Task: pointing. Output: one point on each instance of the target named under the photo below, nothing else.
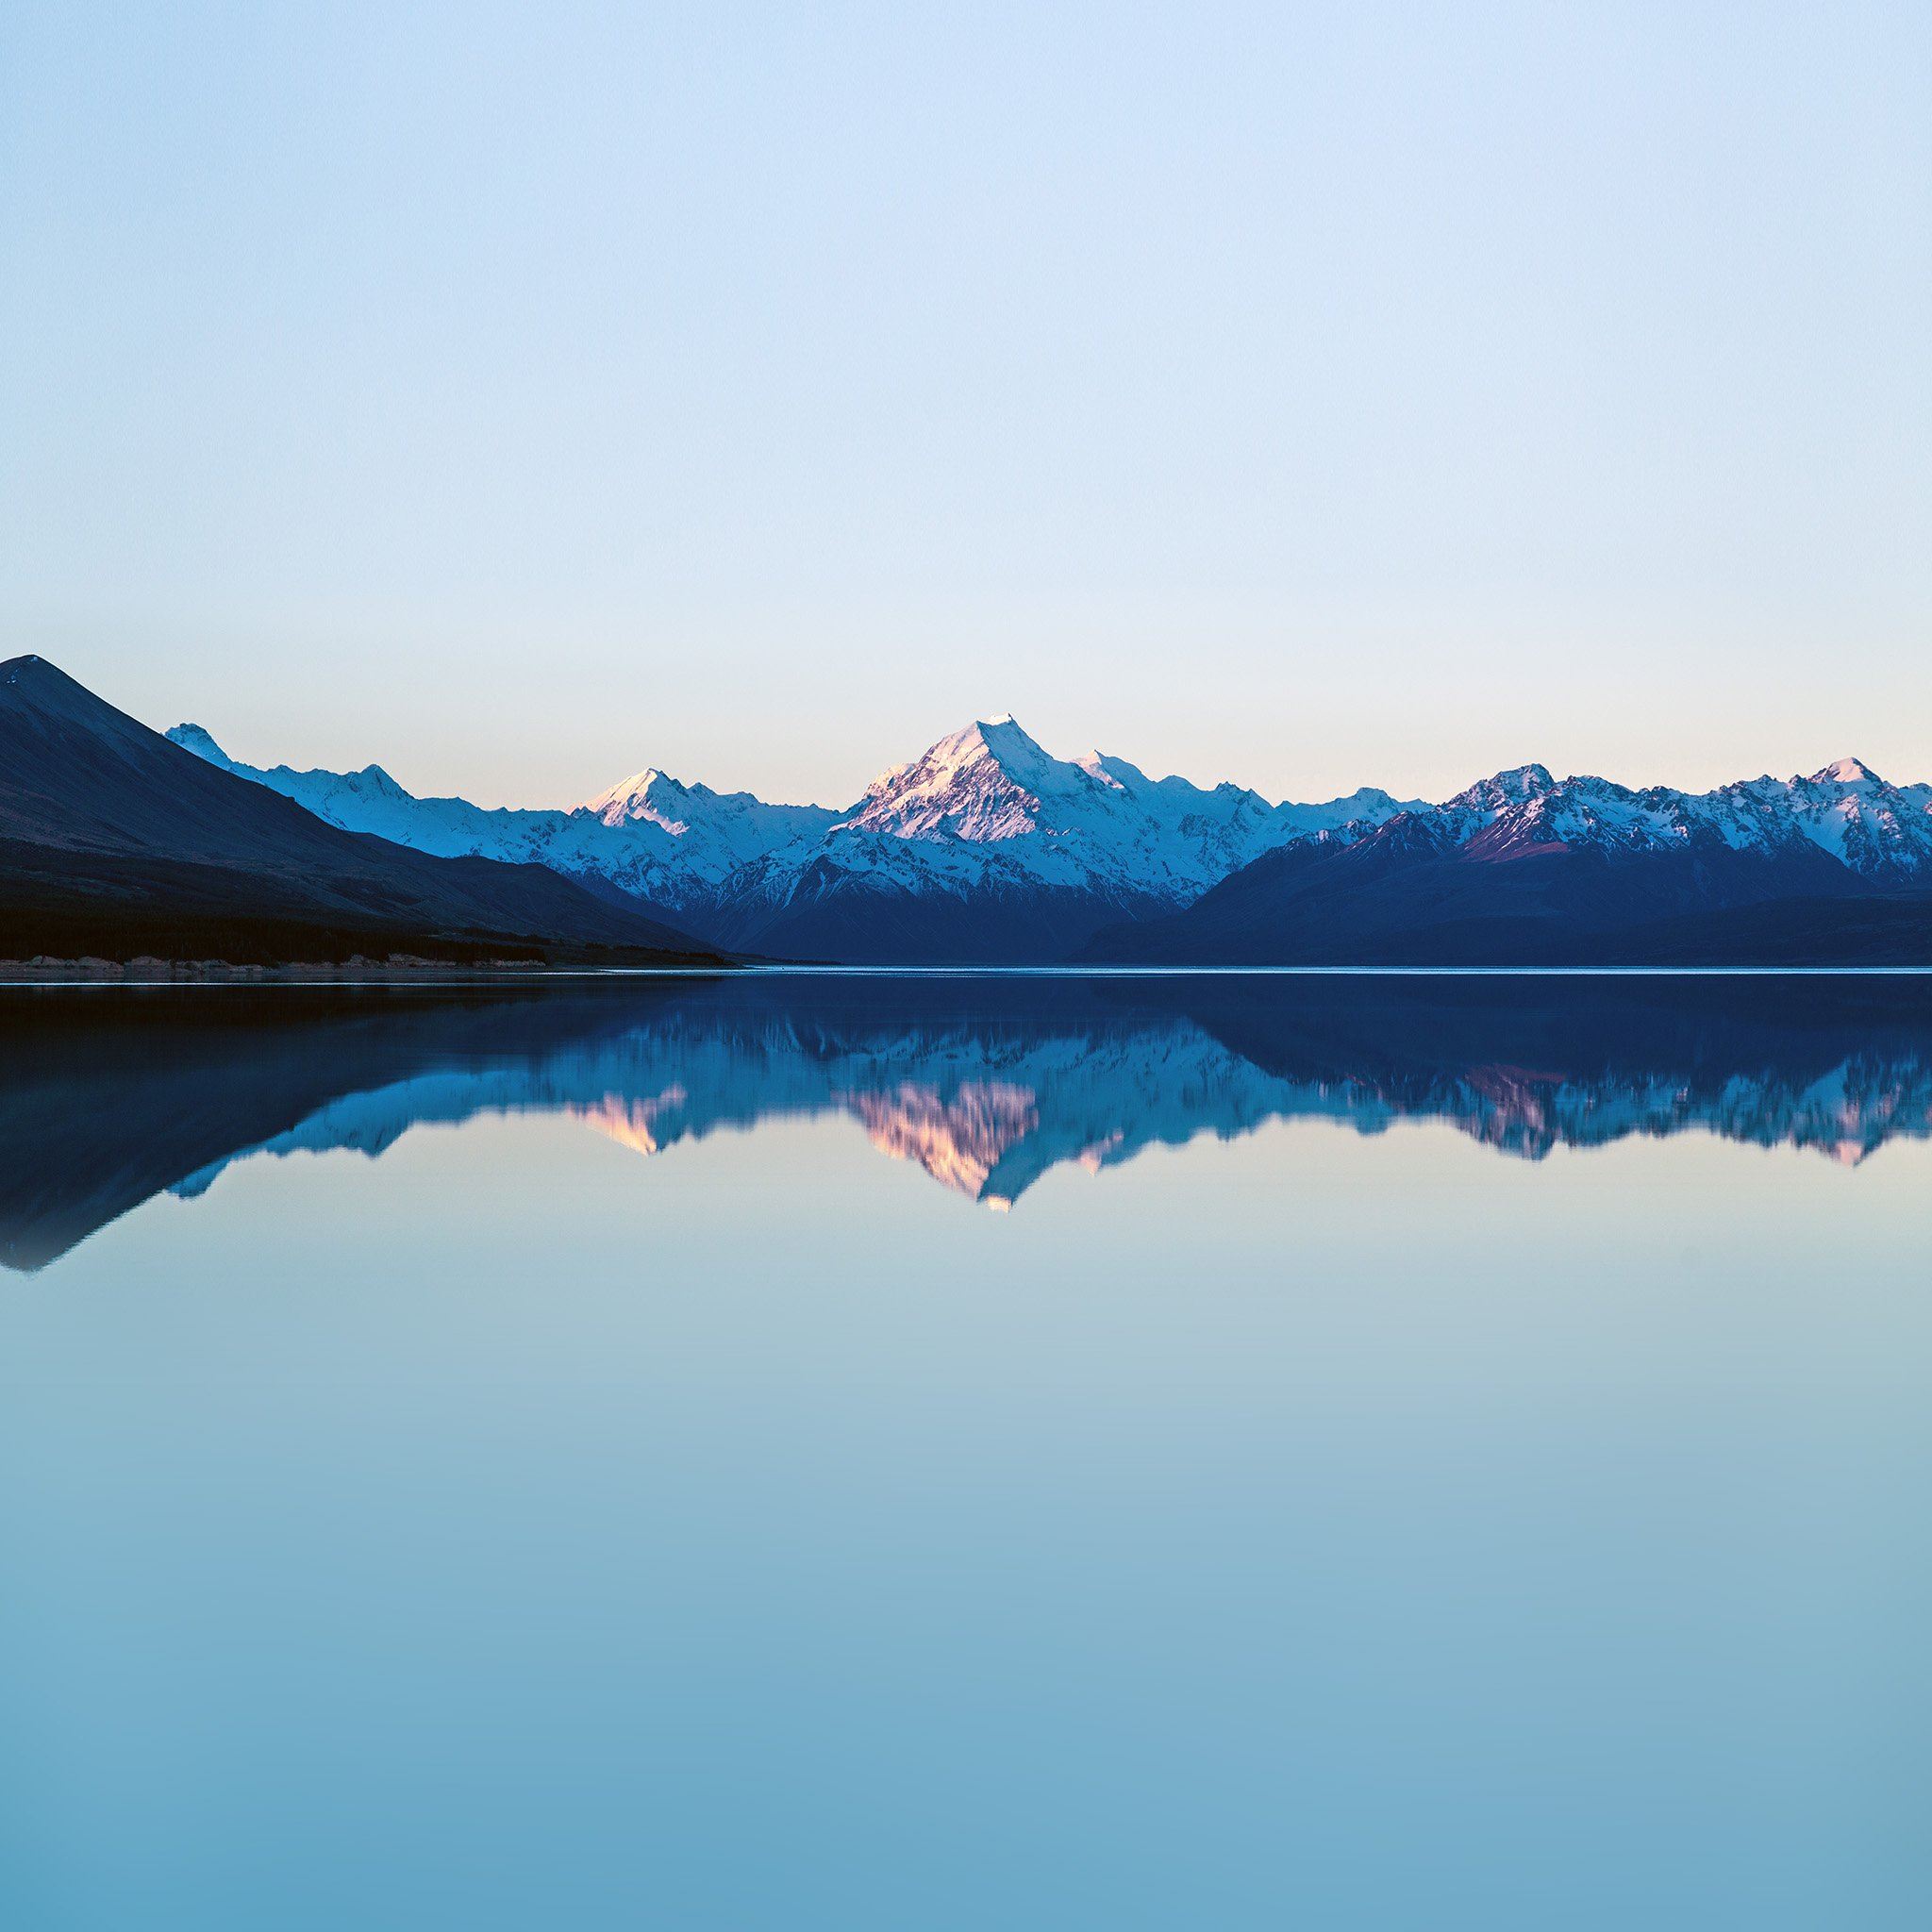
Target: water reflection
(986, 1084)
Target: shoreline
(149, 970)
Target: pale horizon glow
(1310, 396)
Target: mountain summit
(986, 781)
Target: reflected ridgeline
(109, 1097)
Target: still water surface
(788, 1452)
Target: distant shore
(148, 969)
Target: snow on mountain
(1030, 852)
(672, 843)
(720, 830)
(1096, 824)
(984, 810)
(370, 801)
(1849, 811)
(1881, 831)
(989, 781)
(988, 848)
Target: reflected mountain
(986, 1083)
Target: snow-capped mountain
(1846, 810)
(648, 835)
(1526, 869)
(1094, 820)
(984, 846)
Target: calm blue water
(863, 1452)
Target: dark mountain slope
(116, 842)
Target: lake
(857, 1451)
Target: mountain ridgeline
(984, 850)
(987, 849)
(116, 844)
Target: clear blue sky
(1309, 395)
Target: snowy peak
(637, 786)
(984, 782)
(647, 794)
(1370, 801)
(1515, 787)
(710, 834)
(374, 778)
(201, 743)
(1850, 773)
(1000, 741)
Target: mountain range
(985, 848)
(117, 844)
(988, 849)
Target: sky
(1308, 395)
